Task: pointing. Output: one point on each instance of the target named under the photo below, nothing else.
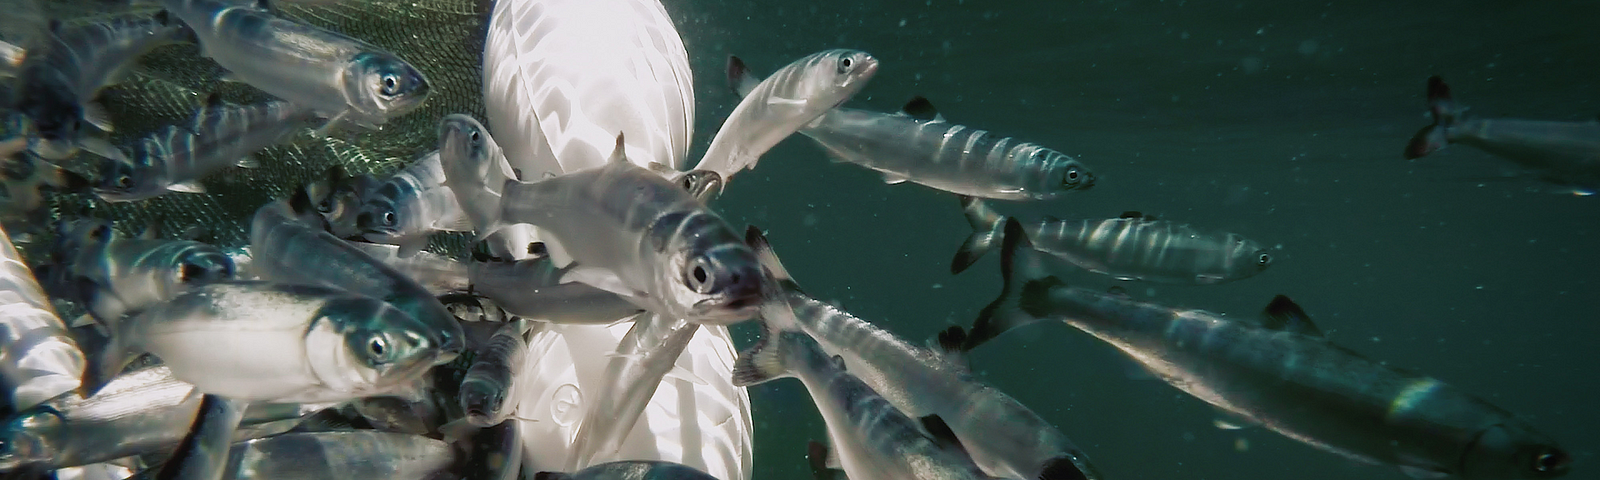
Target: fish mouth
(726, 311)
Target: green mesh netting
(442, 38)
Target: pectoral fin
(101, 147)
(191, 186)
(95, 114)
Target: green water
(1282, 121)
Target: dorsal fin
(757, 241)
(941, 433)
(620, 153)
(740, 78)
(214, 100)
(921, 109)
(817, 455)
(951, 343)
(1437, 89)
(1283, 314)
(1131, 214)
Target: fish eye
(325, 206)
(699, 277)
(124, 181)
(388, 219)
(845, 64)
(1263, 259)
(378, 347)
(1072, 176)
(391, 84)
(473, 136)
(1550, 460)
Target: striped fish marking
(176, 157)
(60, 80)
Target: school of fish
(337, 344)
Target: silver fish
(114, 277)
(229, 339)
(643, 357)
(1130, 247)
(411, 204)
(488, 391)
(1564, 153)
(38, 357)
(203, 453)
(533, 288)
(286, 250)
(874, 439)
(357, 455)
(437, 273)
(634, 233)
(474, 166)
(1003, 436)
(475, 170)
(630, 470)
(1283, 374)
(919, 145)
(61, 78)
(142, 411)
(177, 157)
(780, 105)
(330, 73)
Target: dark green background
(1280, 120)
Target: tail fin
(1445, 114)
(986, 224)
(763, 361)
(1025, 283)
